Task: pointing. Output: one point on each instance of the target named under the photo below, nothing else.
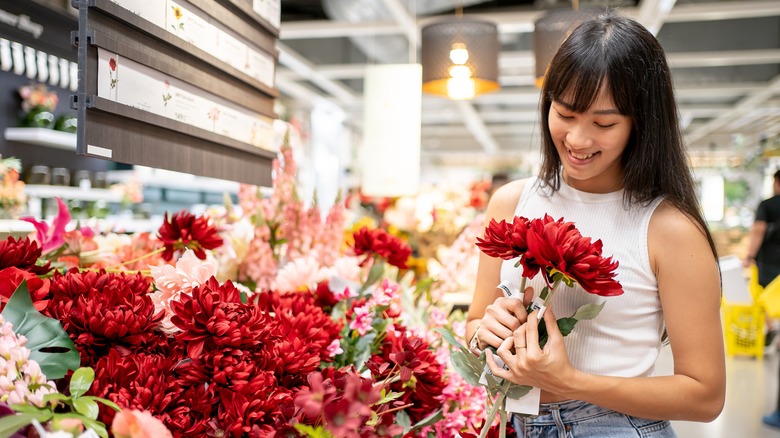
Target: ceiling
(725, 58)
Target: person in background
(764, 251)
(764, 237)
(614, 163)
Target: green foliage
(60, 406)
(42, 333)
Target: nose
(579, 137)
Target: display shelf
(168, 179)
(15, 227)
(42, 137)
(71, 193)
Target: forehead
(602, 100)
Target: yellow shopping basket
(743, 315)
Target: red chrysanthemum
(11, 278)
(259, 406)
(187, 231)
(505, 240)
(297, 316)
(213, 318)
(417, 361)
(557, 246)
(137, 381)
(22, 253)
(101, 311)
(382, 244)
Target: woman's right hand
(502, 318)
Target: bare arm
(689, 289)
(502, 312)
(756, 236)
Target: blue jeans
(575, 419)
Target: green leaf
(41, 333)
(566, 325)
(429, 420)
(389, 397)
(588, 311)
(517, 391)
(465, 368)
(10, 424)
(363, 349)
(81, 381)
(403, 420)
(450, 337)
(86, 407)
(55, 396)
(376, 272)
(106, 402)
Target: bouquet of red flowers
(557, 250)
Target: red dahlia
(23, 254)
(415, 359)
(505, 240)
(379, 242)
(187, 231)
(559, 246)
(11, 278)
(213, 317)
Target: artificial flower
(187, 231)
(22, 253)
(380, 243)
(51, 237)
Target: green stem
(502, 426)
(137, 259)
(551, 292)
(499, 401)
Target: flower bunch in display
(12, 196)
(37, 96)
(557, 250)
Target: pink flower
(51, 238)
(172, 281)
(362, 320)
(299, 274)
(131, 423)
(334, 348)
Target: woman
(614, 164)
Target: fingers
(528, 296)
(553, 332)
(532, 333)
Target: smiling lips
(581, 157)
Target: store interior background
(725, 58)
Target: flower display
(12, 197)
(380, 243)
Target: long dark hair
(619, 52)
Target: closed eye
(606, 126)
(562, 116)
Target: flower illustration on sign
(177, 14)
(112, 66)
(214, 116)
(166, 94)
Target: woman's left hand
(546, 368)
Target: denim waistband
(569, 411)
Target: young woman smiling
(614, 164)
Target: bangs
(578, 91)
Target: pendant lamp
(549, 33)
(460, 58)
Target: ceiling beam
(748, 103)
(300, 65)
(653, 13)
(523, 21)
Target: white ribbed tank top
(625, 338)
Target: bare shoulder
(504, 201)
(675, 237)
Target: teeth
(581, 157)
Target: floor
(751, 392)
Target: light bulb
(459, 54)
(460, 88)
(459, 71)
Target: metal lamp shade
(549, 33)
(479, 38)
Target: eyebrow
(599, 112)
